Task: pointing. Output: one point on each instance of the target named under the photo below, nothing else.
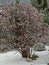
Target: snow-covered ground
(15, 58)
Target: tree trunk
(27, 53)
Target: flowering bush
(23, 26)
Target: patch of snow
(47, 48)
(15, 58)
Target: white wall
(25, 1)
(9, 1)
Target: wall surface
(10, 1)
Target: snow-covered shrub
(39, 47)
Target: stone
(29, 59)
